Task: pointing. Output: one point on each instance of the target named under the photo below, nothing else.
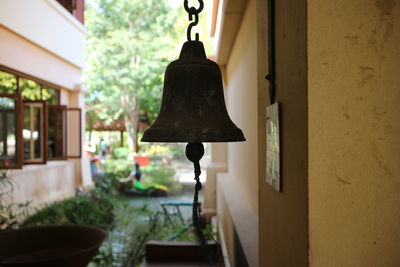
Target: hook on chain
(193, 12)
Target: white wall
(47, 24)
(20, 54)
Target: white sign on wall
(273, 147)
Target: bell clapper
(194, 152)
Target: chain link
(192, 11)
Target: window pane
(2, 142)
(8, 83)
(7, 103)
(30, 89)
(37, 132)
(11, 140)
(8, 131)
(50, 95)
(56, 132)
(26, 132)
(33, 132)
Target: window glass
(8, 83)
(8, 133)
(1, 134)
(7, 103)
(33, 132)
(37, 132)
(50, 95)
(32, 119)
(11, 134)
(26, 132)
(30, 90)
(56, 128)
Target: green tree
(129, 45)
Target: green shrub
(134, 227)
(164, 150)
(121, 153)
(12, 214)
(121, 168)
(89, 209)
(178, 151)
(107, 183)
(158, 173)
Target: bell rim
(149, 140)
(163, 137)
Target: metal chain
(193, 12)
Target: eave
(227, 16)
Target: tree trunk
(130, 105)
(90, 135)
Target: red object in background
(94, 159)
(142, 160)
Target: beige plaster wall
(41, 184)
(225, 225)
(237, 193)
(47, 24)
(218, 152)
(20, 54)
(241, 97)
(56, 179)
(242, 217)
(283, 216)
(210, 188)
(354, 132)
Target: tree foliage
(129, 45)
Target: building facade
(338, 89)
(42, 98)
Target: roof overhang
(227, 16)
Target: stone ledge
(244, 219)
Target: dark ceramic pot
(50, 246)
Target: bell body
(193, 106)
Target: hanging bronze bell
(193, 106)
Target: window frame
(18, 131)
(37, 80)
(46, 112)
